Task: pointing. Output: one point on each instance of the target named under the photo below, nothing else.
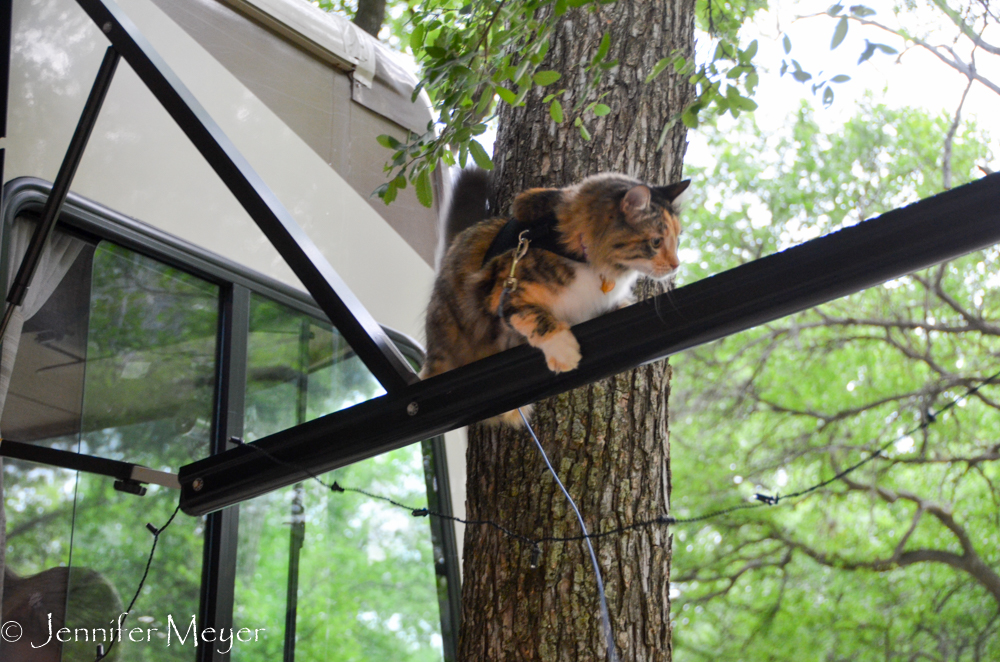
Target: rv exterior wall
(139, 163)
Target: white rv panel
(140, 163)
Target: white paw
(562, 351)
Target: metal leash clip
(522, 247)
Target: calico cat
(586, 246)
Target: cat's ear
(672, 191)
(637, 199)
(536, 204)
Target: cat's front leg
(552, 336)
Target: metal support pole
(296, 538)
(124, 472)
(60, 188)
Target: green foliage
(849, 572)
(856, 12)
(366, 586)
(475, 55)
(935, 26)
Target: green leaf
(480, 156)
(840, 78)
(835, 9)
(602, 49)
(885, 48)
(801, 76)
(601, 110)
(868, 52)
(389, 195)
(663, 133)
(828, 96)
(506, 95)
(584, 133)
(561, 7)
(839, 33)
(417, 37)
(425, 195)
(543, 78)
(435, 52)
(485, 101)
(388, 141)
(556, 111)
(658, 69)
(749, 52)
(787, 44)
(521, 70)
(690, 117)
(861, 11)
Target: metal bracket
(129, 477)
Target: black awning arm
(895, 244)
(329, 291)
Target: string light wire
(101, 653)
(586, 536)
(759, 500)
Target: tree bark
(370, 16)
(608, 441)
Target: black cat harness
(541, 233)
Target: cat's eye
(656, 242)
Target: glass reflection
(331, 576)
(119, 362)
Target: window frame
(236, 282)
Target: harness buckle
(522, 248)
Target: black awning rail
(899, 242)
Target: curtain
(58, 256)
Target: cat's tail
(470, 194)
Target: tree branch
(969, 561)
(966, 29)
(950, 139)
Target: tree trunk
(370, 16)
(608, 441)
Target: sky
(915, 78)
